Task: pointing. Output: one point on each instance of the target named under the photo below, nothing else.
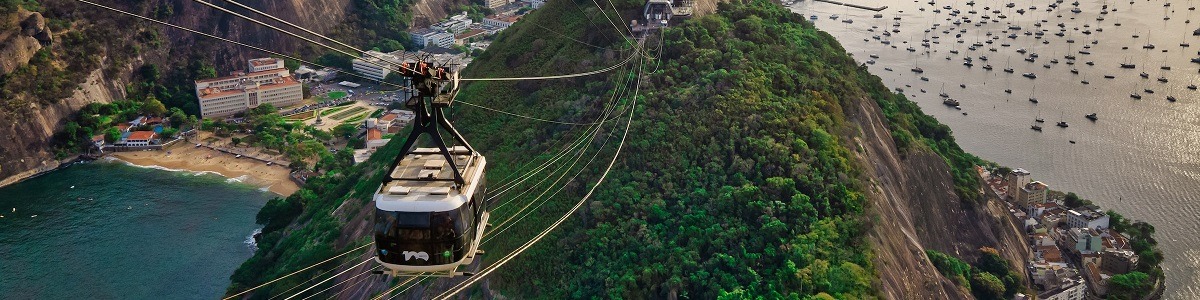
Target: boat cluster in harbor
(979, 34)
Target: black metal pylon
(428, 116)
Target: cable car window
(412, 219)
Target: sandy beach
(185, 157)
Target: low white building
(1070, 289)
(1087, 218)
(309, 74)
(140, 138)
(432, 37)
(263, 64)
(500, 22)
(375, 65)
(455, 24)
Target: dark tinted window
(443, 236)
(412, 219)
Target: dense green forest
(737, 180)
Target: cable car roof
(424, 181)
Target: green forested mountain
(737, 179)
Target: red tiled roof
(374, 134)
(387, 117)
(124, 126)
(1051, 253)
(141, 135)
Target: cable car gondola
(429, 210)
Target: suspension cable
(272, 27)
(613, 101)
(555, 76)
(398, 285)
(301, 28)
(617, 92)
(314, 278)
(352, 278)
(409, 287)
(479, 276)
(193, 31)
(330, 278)
(542, 200)
(294, 273)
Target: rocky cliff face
(25, 139)
(914, 209)
(26, 35)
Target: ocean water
(1142, 158)
(107, 230)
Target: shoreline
(274, 178)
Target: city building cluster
(1075, 251)
(377, 128)
(138, 132)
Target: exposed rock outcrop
(25, 139)
(21, 42)
(914, 208)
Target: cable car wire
(554, 159)
(398, 285)
(293, 273)
(314, 278)
(479, 276)
(612, 103)
(276, 19)
(319, 65)
(409, 287)
(368, 271)
(518, 216)
(561, 155)
(554, 76)
(396, 64)
(327, 280)
(272, 27)
(352, 286)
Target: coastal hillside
(56, 56)
(762, 161)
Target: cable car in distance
(429, 210)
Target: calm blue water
(124, 232)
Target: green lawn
(335, 95)
(356, 119)
(332, 110)
(349, 112)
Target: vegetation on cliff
(990, 278)
(738, 182)
(741, 183)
